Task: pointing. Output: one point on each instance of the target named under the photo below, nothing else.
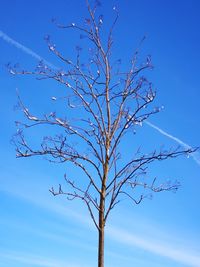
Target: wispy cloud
(30, 259)
(170, 251)
(25, 49)
(195, 155)
(55, 232)
(50, 204)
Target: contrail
(25, 49)
(195, 155)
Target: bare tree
(107, 103)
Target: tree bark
(101, 248)
(101, 229)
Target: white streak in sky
(25, 49)
(30, 259)
(171, 251)
(194, 155)
(182, 254)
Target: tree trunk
(101, 231)
(101, 213)
(101, 248)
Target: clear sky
(37, 229)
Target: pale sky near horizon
(37, 229)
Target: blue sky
(37, 229)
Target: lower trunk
(101, 218)
(101, 247)
(101, 232)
